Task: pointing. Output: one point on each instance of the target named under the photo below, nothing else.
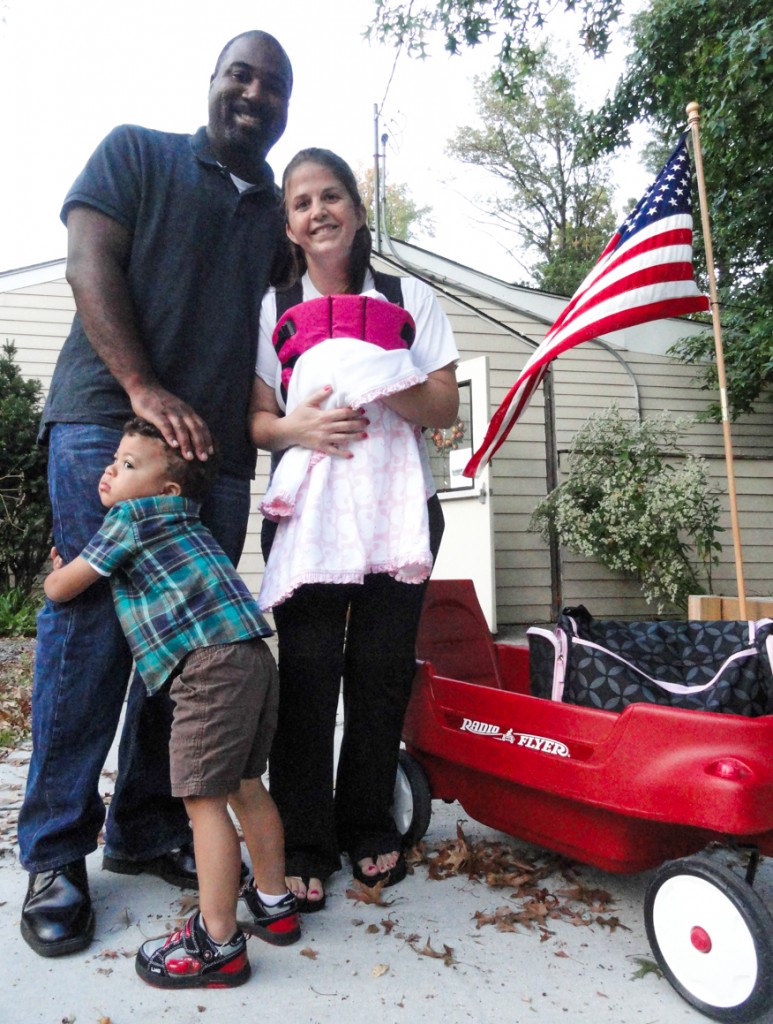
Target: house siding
(586, 379)
(37, 319)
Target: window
(451, 448)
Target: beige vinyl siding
(518, 474)
(666, 385)
(586, 379)
(37, 319)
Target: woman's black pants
(365, 635)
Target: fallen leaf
(416, 855)
(613, 923)
(575, 917)
(310, 953)
(188, 904)
(379, 970)
(646, 967)
(372, 929)
(447, 956)
(596, 899)
(368, 894)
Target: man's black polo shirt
(200, 259)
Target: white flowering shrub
(626, 505)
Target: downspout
(551, 449)
(551, 443)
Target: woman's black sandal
(307, 906)
(374, 850)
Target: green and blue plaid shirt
(174, 587)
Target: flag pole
(693, 119)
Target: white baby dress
(339, 519)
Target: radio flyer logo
(519, 739)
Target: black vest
(388, 284)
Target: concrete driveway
(440, 947)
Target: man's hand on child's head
(181, 426)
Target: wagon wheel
(412, 804)
(712, 936)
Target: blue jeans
(82, 667)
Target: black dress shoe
(178, 867)
(57, 917)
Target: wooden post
(693, 118)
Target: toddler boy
(192, 624)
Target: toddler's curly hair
(195, 477)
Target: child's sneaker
(278, 925)
(190, 959)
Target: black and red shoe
(190, 959)
(279, 925)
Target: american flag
(645, 273)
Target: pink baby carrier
(338, 518)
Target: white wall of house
(36, 310)
(492, 318)
(507, 323)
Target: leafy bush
(25, 516)
(625, 505)
(18, 611)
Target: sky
(70, 70)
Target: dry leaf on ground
(501, 865)
(368, 894)
(447, 955)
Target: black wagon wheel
(712, 936)
(412, 804)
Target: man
(170, 244)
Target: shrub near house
(25, 522)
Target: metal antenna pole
(376, 182)
(383, 193)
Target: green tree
(557, 200)
(25, 517)
(465, 23)
(404, 219)
(720, 54)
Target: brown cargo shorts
(226, 699)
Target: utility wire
(391, 76)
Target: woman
(364, 632)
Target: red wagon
(651, 787)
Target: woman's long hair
(359, 257)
